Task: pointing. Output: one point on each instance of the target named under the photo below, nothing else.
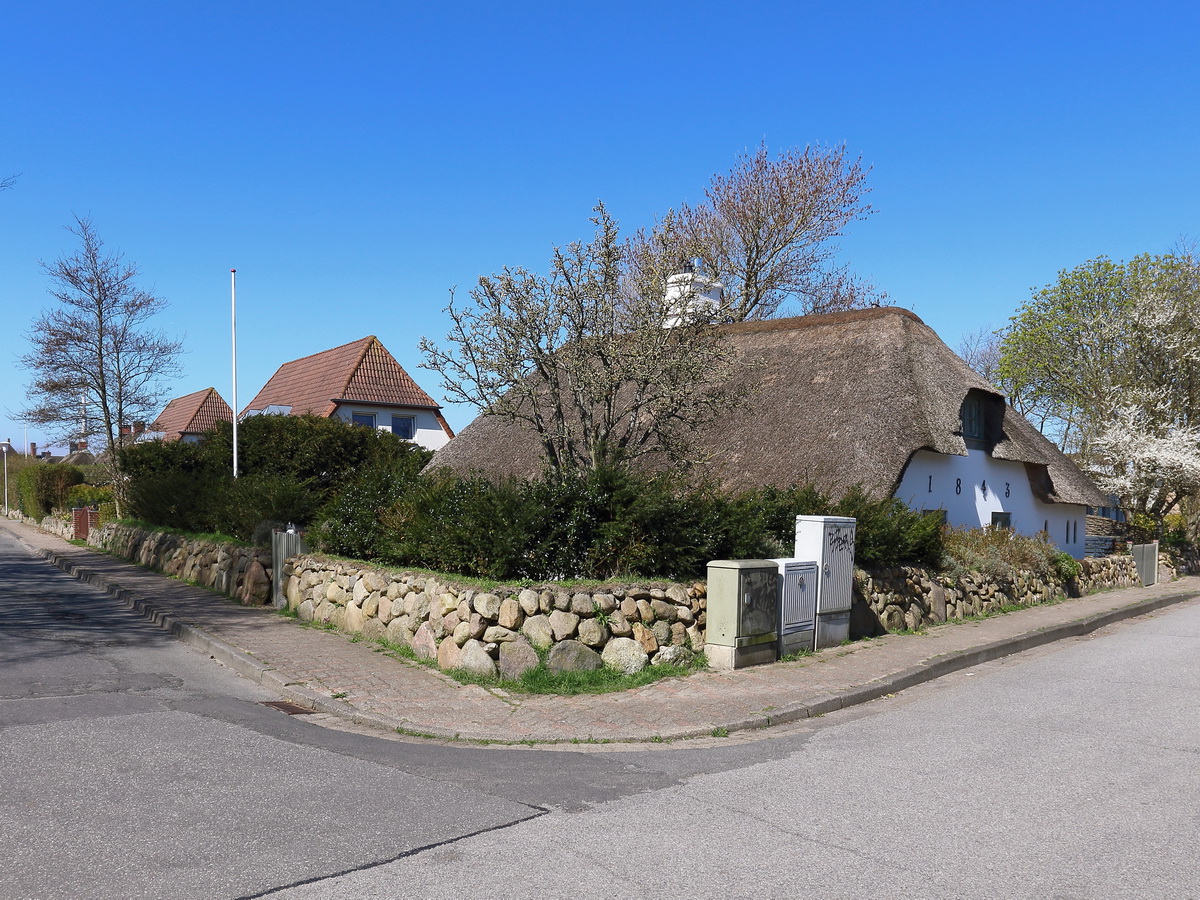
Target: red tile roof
(361, 371)
(193, 414)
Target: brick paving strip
(311, 667)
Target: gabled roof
(833, 400)
(192, 414)
(361, 371)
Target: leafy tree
(96, 362)
(1107, 360)
(766, 231)
(581, 357)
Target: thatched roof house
(870, 397)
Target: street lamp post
(4, 448)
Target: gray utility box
(830, 541)
(797, 605)
(743, 609)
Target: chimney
(83, 445)
(691, 297)
(33, 449)
(72, 447)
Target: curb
(264, 674)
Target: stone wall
(499, 630)
(496, 631)
(243, 573)
(905, 599)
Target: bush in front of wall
(87, 495)
(43, 487)
(1001, 552)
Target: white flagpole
(233, 321)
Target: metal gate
(1146, 558)
(284, 544)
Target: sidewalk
(310, 667)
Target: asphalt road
(136, 767)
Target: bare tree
(96, 363)
(6, 183)
(766, 231)
(582, 357)
(980, 349)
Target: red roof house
(187, 418)
(359, 382)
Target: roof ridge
(368, 342)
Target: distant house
(188, 418)
(869, 397)
(359, 382)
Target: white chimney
(691, 298)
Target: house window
(939, 513)
(404, 427)
(972, 418)
(367, 419)
(1002, 520)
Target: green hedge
(43, 488)
(613, 524)
(290, 468)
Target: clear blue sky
(355, 160)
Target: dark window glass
(972, 418)
(1002, 520)
(367, 419)
(403, 426)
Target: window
(939, 513)
(367, 419)
(404, 427)
(972, 418)
(1002, 520)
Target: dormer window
(972, 418)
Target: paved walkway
(312, 667)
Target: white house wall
(956, 484)
(427, 433)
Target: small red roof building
(358, 382)
(189, 417)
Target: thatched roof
(833, 400)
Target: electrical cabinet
(742, 616)
(829, 541)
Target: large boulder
(517, 658)
(474, 658)
(539, 632)
(625, 655)
(572, 656)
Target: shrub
(87, 495)
(1000, 553)
(180, 499)
(250, 506)
(351, 524)
(43, 487)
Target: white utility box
(797, 605)
(829, 540)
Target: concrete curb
(262, 673)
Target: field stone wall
(905, 598)
(499, 631)
(241, 572)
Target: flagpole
(233, 324)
